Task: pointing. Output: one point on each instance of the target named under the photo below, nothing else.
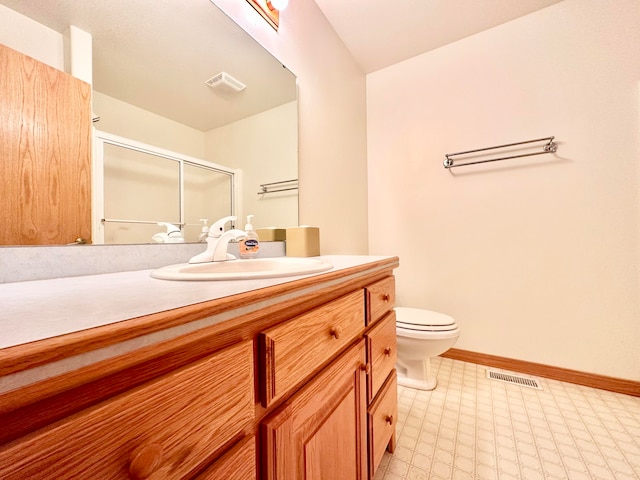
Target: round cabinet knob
(145, 460)
(389, 419)
(366, 367)
(386, 297)
(335, 332)
(387, 351)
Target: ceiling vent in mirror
(224, 79)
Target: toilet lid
(423, 320)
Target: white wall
(31, 38)
(537, 259)
(332, 128)
(270, 156)
(129, 121)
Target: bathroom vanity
(272, 379)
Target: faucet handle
(217, 229)
(172, 235)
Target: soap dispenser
(250, 245)
(205, 230)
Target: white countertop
(35, 310)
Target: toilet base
(418, 384)
(416, 373)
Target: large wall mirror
(169, 75)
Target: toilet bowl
(421, 334)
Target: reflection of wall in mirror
(31, 38)
(271, 156)
(126, 120)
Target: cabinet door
(321, 432)
(45, 153)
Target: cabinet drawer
(380, 297)
(239, 463)
(381, 350)
(296, 348)
(382, 417)
(163, 429)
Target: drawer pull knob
(366, 367)
(389, 419)
(145, 460)
(387, 351)
(386, 297)
(335, 332)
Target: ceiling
(159, 58)
(379, 33)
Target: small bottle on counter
(250, 245)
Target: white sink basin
(243, 269)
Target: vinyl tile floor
(473, 427)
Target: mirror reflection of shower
(138, 186)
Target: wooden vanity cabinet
(272, 395)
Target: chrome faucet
(218, 242)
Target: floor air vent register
(514, 378)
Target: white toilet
(421, 334)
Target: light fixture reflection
(268, 10)
(279, 4)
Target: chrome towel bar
(549, 147)
(274, 187)
(145, 222)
